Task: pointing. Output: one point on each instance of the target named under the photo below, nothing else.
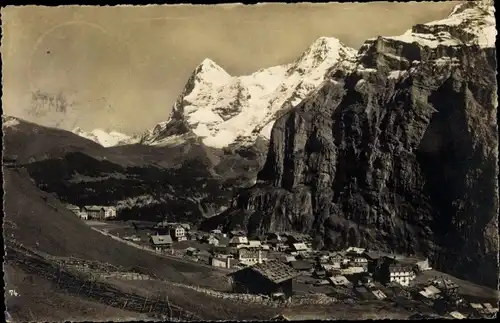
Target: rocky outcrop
(398, 154)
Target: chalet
(457, 315)
(93, 212)
(190, 251)
(222, 251)
(336, 259)
(445, 285)
(301, 248)
(268, 278)
(319, 273)
(161, 242)
(254, 244)
(297, 238)
(186, 226)
(379, 294)
(210, 239)
(223, 240)
(359, 261)
(192, 235)
(223, 262)
(178, 233)
(77, 211)
(423, 265)
(238, 240)
(109, 212)
(236, 233)
(339, 281)
(429, 292)
(324, 258)
(73, 208)
(354, 251)
(286, 258)
(203, 256)
(248, 256)
(352, 270)
(401, 274)
(301, 265)
(329, 269)
(374, 260)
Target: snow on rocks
(106, 139)
(222, 109)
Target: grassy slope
(39, 300)
(40, 221)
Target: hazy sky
(122, 68)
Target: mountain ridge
(223, 110)
(398, 154)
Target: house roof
(301, 265)
(399, 268)
(300, 246)
(355, 250)
(379, 294)
(161, 239)
(339, 280)
(275, 271)
(254, 243)
(432, 289)
(238, 239)
(222, 240)
(94, 208)
(372, 255)
(337, 254)
(362, 289)
(457, 315)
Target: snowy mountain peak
(470, 23)
(209, 71)
(223, 110)
(325, 50)
(106, 139)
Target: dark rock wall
(399, 154)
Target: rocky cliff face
(399, 153)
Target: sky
(121, 68)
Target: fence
(83, 277)
(86, 284)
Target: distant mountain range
(107, 139)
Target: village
(281, 265)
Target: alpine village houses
(161, 242)
(93, 212)
(272, 278)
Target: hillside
(184, 182)
(399, 154)
(40, 222)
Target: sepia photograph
(264, 162)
